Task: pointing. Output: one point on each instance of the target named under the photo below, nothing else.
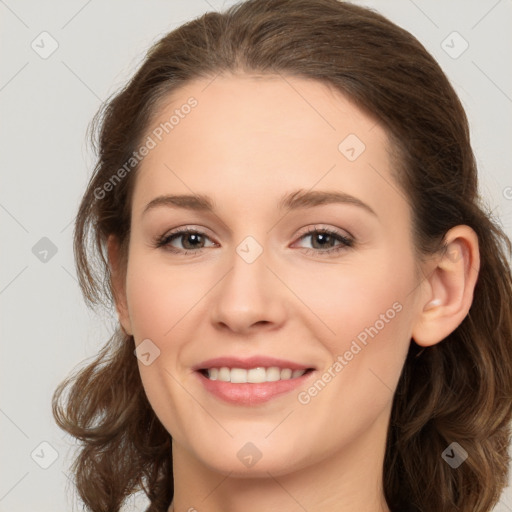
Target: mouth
(257, 375)
(251, 381)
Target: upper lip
(250, 362)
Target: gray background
(46, 105)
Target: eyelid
(321, 227)
(188, 228)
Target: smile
(251, 380)
(252, 375)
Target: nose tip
(242, 317)
(248, 297)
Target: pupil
(324, 237)
(193, 235)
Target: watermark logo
(454, 45)
(249, 249)
(249, 454)
(147, 352)
(44, 45)
(454, 455)
(351, 147)
(44, 455)
(44, 250)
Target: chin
(251, 459)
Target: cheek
(159, 297)
(350, 297)
(371, 318)
(160, 302)
(363, 317)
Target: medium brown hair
(456, 391)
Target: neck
(348, 481)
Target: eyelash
(346, 242)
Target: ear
(118, 280)
(448, 288)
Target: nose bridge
(246, 295)
(248, 280)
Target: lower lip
(250, 393)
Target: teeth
(256, 375)
(224, 375)
(238, 375)
(253, 375)
(286, 373)
(273, 374)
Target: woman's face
(303, 262)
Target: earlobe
(118, 284)
(448, 289)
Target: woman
(370, 370)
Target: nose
(249, 297)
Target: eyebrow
(290, 201)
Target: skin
(250, 140)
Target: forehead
(263, 134)
(285, 106)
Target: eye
(326, 239)
(192, 240)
